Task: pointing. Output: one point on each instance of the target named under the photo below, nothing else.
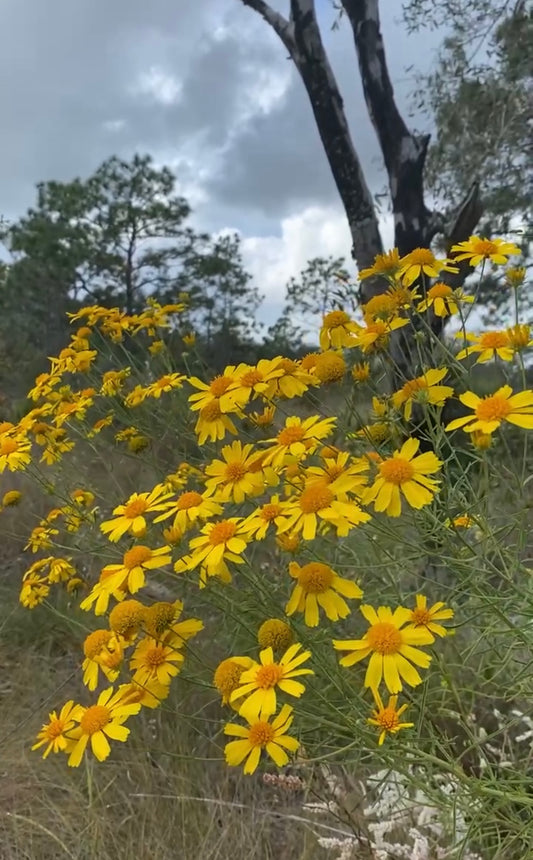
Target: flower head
(318, 586)
(476, 249)
(404, 474)
(54, 735)
(387, 718)
(258, 684)
(491, 411)
(424, 616)
(99, 722)
(261, 735)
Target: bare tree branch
(309, 56)
(404, 153)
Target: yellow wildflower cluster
(300, 481)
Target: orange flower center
(155, 656)
(235, 471)
(440, 291)
(335, 319)
(221, 533)
(94, 719)
(189, 500)
(315, 577)
(421, 616)
(268, 676)
(270, 512)
(494, 408)
(380, 307)
(421, 257)
(413, 386)
(54, 729)
(288, 365)
(135, 508)
(493, 340)
(330, 368)
(220, 385)
(261, 734)
(94, 643)
(386, 264)
(227, 677)
(8, 446)
(251, 378)
(384, 638)
(387, 718)
(315, 499)
(290, 434)
(136, 555)
(164, 380)
(211, 412)
(485, 247)
(397, 470)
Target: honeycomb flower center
(274, 633)
(136, 555)
(211, 411)
(440, 291)
(8, 446)
(485, 247)
(227, 677)
(290, 434)
(221, 533)
(135, 508)
(158, 617)
(315, 499)
(155, 656)
(335, 319)
(189, 500)
(94, 643)
(330, 368)
(396, 470)
(421, 257)
(235, 471)
(315, 577)
(387, 718)
(384, 638)
(220, 385)
(95, 719)
(54, 729)
(493, 340)
(251, 378)
(421, 616)
(380, 307)
(494, 408)
(126, 617)
(270, 512)
(261, 734)
(268, 676)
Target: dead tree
(404, 152)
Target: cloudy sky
(205, 87)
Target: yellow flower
(422, 261)
(387, 718)
(519, 337)
(258, 736)
(392, 650)
(489, 345)
(318, 586)
(292, 382)
(213, 423)
(444, 300)
(374, 336)
(221, 391)
(385, 265)
(515, 276)
(254, 380)
(330, 366)
(113, 381)
(224, 540)
(116, 579)
(264, 418)
(130, 516)
(227, 677)
(233, 477)
(320, 502)
(424, 389)
(258, 683)
(403, 473)
(189, 339)
(156, 660)
(337, 330)
(11, 498)
(54, 735)
(424, 616)
(102, 650)
(189, 507)
(361, 371)
(381, 307)
(492, 410)
(289, 542)
(14, 453)
(476, 249)
(100, 722)
(463, 521)
(340, 471)
(297, 439)
(168, 382)
(126, 618)
(163, 617)
(275, 633)
(257, 524)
